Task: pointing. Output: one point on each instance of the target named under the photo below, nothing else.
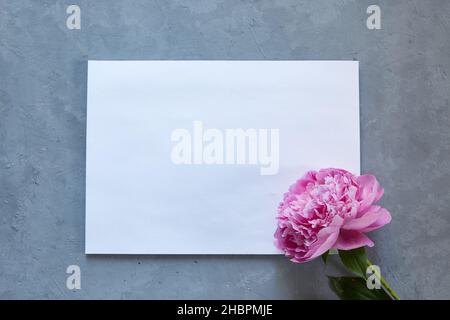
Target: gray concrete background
(405, 132)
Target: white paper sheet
(143, 196)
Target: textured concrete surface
(405, 128)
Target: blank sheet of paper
(193, 157)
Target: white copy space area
(193, 157)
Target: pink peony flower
(331, 208)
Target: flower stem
(384, 283)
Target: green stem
(384, 283)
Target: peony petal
(384, 217)
(374, 218)
(350, 239)
(300, 185)
(326, 238)
(330, 172)
(326, 244)
(369, 191)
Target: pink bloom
(331, 208)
